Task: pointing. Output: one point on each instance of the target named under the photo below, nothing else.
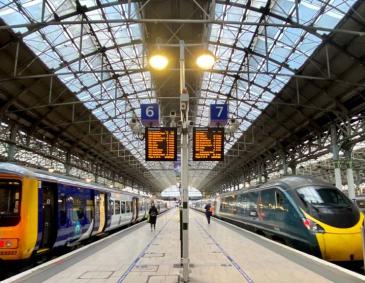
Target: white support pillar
(12, 144)
(335, 157)
(184, 109)
(285, 165)
(349, 174)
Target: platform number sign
(218, 114)
(150, 114)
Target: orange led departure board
(161, 144)
(208, 144)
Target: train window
(117, 207)
(268, 199)
(281, 201)
(9, 202)
(122, 206)
(111, 203)
(89, 209)
(128, 207)
(323, 196)
(63, 210)
(77, 209)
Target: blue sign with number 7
(150, 114)
(218, 114)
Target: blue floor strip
(235, 264)
(134, 263)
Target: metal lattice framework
(75, 73)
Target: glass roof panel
(60, 47)
(256, 62)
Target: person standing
(208, 211)
(153, 216)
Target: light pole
(205, 62)
(184, 109)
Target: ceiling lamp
(205, 61)
(158, 62)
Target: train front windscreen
(329, 205)
(9, 202)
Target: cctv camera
(172, 114)
(183, 106)
(232, 121)
(191, 123)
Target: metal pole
(335, 157)
(349, 174)
(184, 108)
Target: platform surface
(219, 252)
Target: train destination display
(161, 144)
(208, 144)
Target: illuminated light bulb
(158, 62)
(205, 61)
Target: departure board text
(208, 144)
(161, 144)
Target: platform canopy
(281, 65)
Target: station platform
(219, 252)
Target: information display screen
(161, 144)
(208, 144)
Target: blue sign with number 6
(150, 114)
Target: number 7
(220, 110)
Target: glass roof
(92, 59)
(264, 58)
(103, 63)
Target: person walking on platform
(153, 216)
(208, 211)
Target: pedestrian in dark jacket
(208, 212)
(153, 216)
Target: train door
(96, 211)
(134, 209)
(137, 209)
(49, 215)
(102, 213)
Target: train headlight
(312, 226)
(8, 243)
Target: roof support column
(12, 143)
(259, 172)
(293, 168)
(285, 164)
(349, 173)
(335, 157)
(68, 163)
(96, 174)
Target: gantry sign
(208, 144)
(161, 144)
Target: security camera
(232, 121)
(191, 123)
(183, 106)
(172, 114)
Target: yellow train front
(338, 233)
(303, 212)
(18, 216)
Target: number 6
(149, 111)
